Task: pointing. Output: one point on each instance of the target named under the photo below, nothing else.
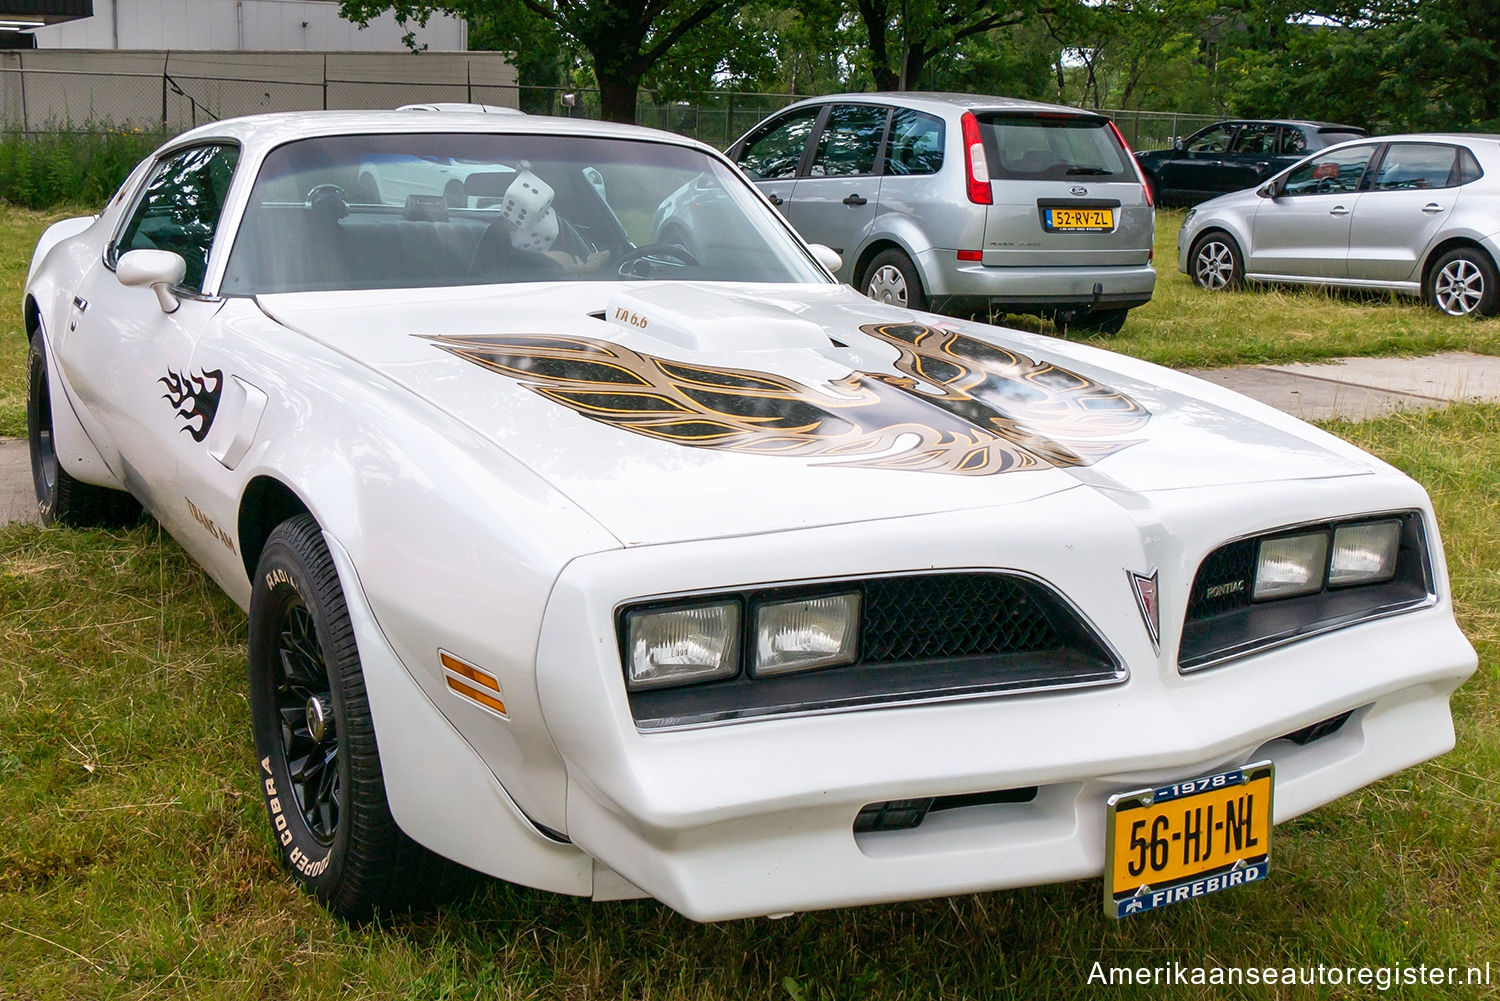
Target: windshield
(425, 210)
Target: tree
(624, 38)
(902, 36)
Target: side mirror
(158, 270)
(826, 256)
(1179, 145)
(1268, 191)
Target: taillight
(976, 168)
(1140, 174)
(971, 255)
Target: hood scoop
(703, 319)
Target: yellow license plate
(1087, 219)
(1185, 840)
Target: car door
(1192, 170)
(128, 360)
(772, 153)
(834, 203)
(1411, 196)
(1251, 160)
(1303, 231)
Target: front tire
(1216, 262)
(1464, 283)
(61, 499)
(317, 760)
(892, 277)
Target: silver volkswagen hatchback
(962, 204)
(1416, 214)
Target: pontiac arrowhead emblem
(1145, 599)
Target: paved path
(1357, 388)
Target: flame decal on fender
(962, 406)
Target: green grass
(135, 860)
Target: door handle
(854, 200)
(1432, 208)
(1261, 166)
(1338, 210)
(775, 199)
(81, 303)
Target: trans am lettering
(196, 398)
(959, 405)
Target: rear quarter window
(1031, 148)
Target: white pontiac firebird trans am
(622, 560)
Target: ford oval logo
(1078, 189)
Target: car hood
(677, 411)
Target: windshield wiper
(1091, 171)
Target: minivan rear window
(1064, 148)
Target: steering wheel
(651, 251)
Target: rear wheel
(1216, 262)
(59, 497)
(317, 761)
(1102, 321)
(1464, 283)
(892, 277)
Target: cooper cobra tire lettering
(315, 741)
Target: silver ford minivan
(963, 204)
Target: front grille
(922, 637)
(936, 617)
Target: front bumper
(757, 818)
(954, 284)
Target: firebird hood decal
(960, 406)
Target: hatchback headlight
(1364, 554)
(1291, 565)
(678, 646)
(805, 634)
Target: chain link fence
(170, 92)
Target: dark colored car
(1229, 156)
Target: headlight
(1291, 565)
(1364, 554)
(802, 635)
(682, 645)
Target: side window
(1258, 140)
(1417, 165)
(179, 209)
(915, 145)
(1468, 167)
(1293, 142)
(777, 151)
(850, 140)
(1329, 173)
(1214, 140)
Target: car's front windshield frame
(269, 255)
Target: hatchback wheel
(892, 277)
(1464, 283)
(1216, 262)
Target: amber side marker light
(459, 674)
